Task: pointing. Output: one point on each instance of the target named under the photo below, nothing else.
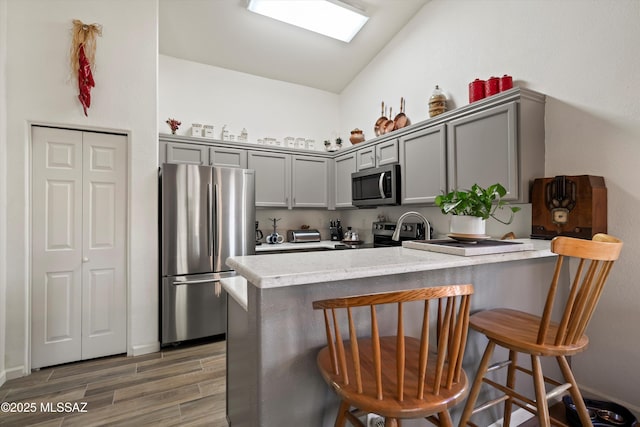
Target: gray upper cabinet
(376, 155)
(290, 181)
(309, 182)
(177, 152)
(423, 165)
(228, 157)
(273, 178)
(482, 148)
(366, 157)
(344, 166)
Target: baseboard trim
(13, 373)
(138, 350)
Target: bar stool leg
(511, 383)
(477, 383)
(581, 408)
(341, 419)
(541, 395)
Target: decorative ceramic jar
(356, 136)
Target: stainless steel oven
(382, 232)
(376, 187)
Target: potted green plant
(471, 208)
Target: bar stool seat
(519, 331)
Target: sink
(481, 247)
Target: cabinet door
(422, 162)
(187, 153)
(273, 177)
(366, 158)
(228, 157)
(387, 152)
(310, 178)
(483, 148)
(344, 167)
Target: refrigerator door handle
(194, 282)
(209, 221)
(214, 239)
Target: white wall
(124, 99)
(3, 182)
(584, 56)
(197, 93)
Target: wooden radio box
(573, 206)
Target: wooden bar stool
(396, 376)
(538, 336)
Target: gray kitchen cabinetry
(344, 166)
(289, 181)
(423, 165)
(177, 152)
(309, 182)
(228, 157)
(380, 154)
(491, 146)
(273, 178)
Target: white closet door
(56, 289)
(78, 246)
(104, 247)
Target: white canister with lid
(196, 129)
(207, 131)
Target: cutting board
(482, 247)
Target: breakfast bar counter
(273, 334)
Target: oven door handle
(380, 185)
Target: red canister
(476, 90)
(492, 86)
(506, 83)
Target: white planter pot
(463, 224)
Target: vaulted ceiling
(225, 34)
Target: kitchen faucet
(427, 230)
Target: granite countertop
(291, 269)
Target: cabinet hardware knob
(85, 259)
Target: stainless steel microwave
(376, 187)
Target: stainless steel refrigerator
(207, 214)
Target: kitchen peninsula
(273, 334)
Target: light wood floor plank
(182, 386)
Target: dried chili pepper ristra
(85, 80)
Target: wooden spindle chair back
(398, 369)
(595, 259)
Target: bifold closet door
(78, 290)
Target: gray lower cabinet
(423, 157)
(309, 182)
(344, 166)
(228, 157)
(482, 148)
(380, 154)
(177, 152)
(273, 178)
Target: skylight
(331, 18)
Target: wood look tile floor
(182, 386)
